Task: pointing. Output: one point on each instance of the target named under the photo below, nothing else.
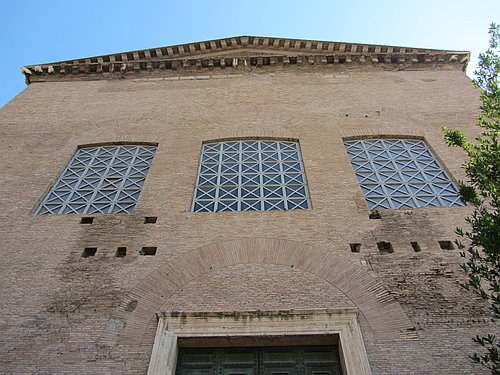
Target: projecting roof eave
(244, 53)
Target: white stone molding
(322, 325)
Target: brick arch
(252, 138)
(384, 315)
(231, 134)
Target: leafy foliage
(480, 243)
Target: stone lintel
(248, 328)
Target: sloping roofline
(245, 51)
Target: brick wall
(62, 313)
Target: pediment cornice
(245, 52)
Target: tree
(480, 243)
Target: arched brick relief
(384, 315)
(257, 287)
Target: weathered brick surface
(62, 313)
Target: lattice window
(250, 175)
(104, 179)
(400, 173)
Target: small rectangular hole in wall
(150, 220)
(148, 250)
(374, 214)
(385, 247)
(355, 247)
(121, 252)
(416, 246)
(89, 252)
(86, 220)
(446, 245)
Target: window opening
(86, 220)
(89, 252)
(121, 252)
(355, 247)
(150, 219)
(446, 245)
(250, 175)
(148, 250)
(385, 247)
(415, 246)
(400, 173)
(100, 179)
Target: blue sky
(34, 32)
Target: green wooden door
(307, 360)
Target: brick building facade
(256, 197)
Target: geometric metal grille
(250, 175)
(103, 179)
(312, 360)
(400, 173)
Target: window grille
(400, 173)
(250, 175)
(104, 180)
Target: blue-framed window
(400, 173)
(250, 175)
(100, 180)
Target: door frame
(208, 328)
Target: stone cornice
(244, 53)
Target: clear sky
(35, 32)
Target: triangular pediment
(246, 51)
